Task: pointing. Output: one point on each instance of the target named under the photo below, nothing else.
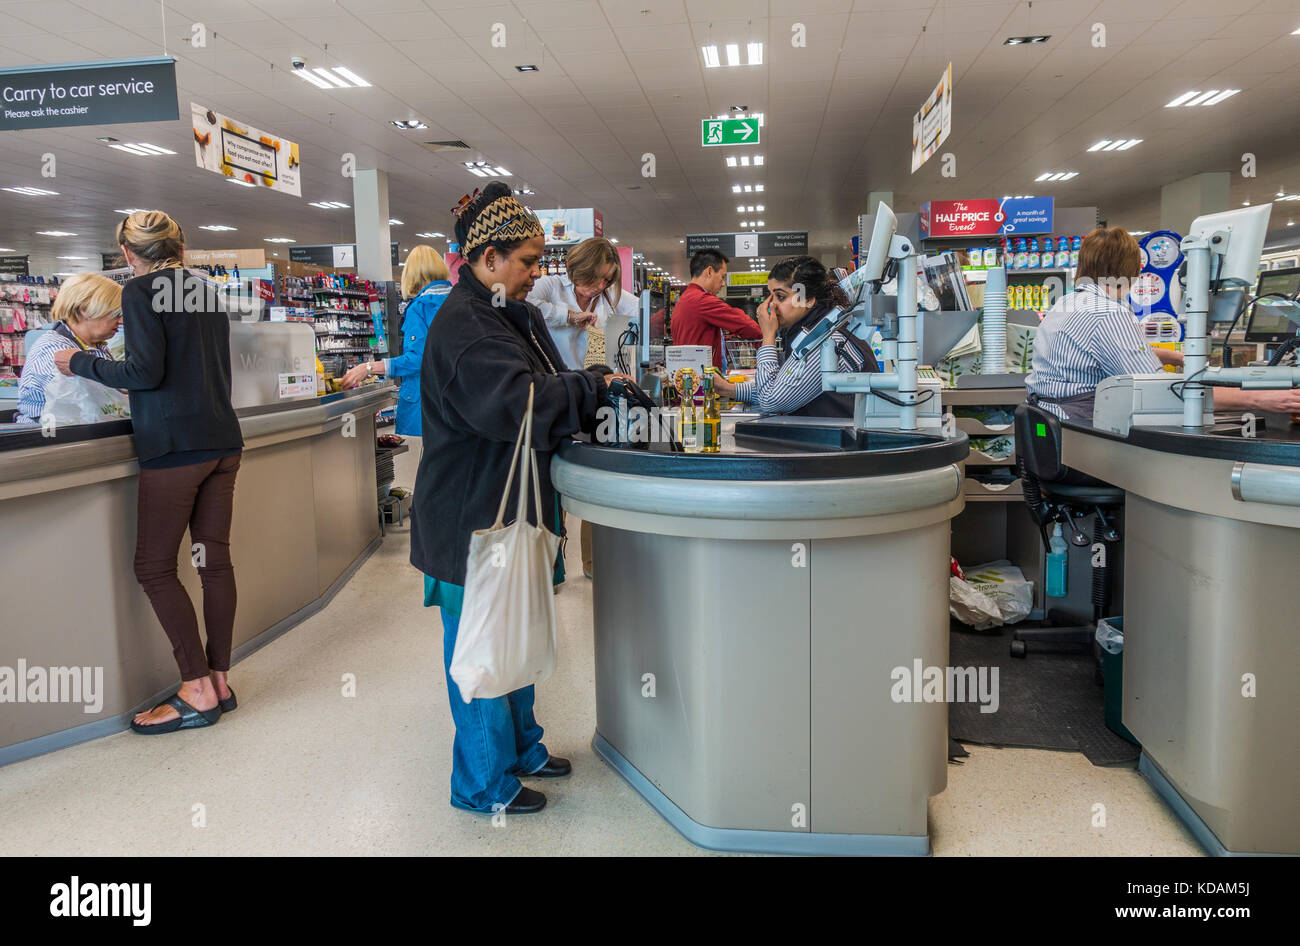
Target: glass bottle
(710, 429)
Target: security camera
(298, 62)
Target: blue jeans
(496, 740)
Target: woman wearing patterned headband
(485, 349)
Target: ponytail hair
(154, 237)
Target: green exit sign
(724, 132)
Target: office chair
(1055, 493)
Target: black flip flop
(229, 704)
(190, 718)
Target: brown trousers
(201, 497)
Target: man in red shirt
(700, 317)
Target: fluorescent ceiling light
(31, 191)
(153, 149)
(352, 77)
(524, 190)
(613, 239)
(430, 235)
(1182, 99)
(760, 223)
(218, 227)
(710, 57)
(1226, 93)
(73, 257)
(1132, 142)
(529, 68)
(1024, 40)
(755, 54)
(1097, 147)
(131, 210)
(278, 240)
(759, 208)
(329, 204)
(1057, 176)
(409, 123)
(314, 80)
(740, 208)
(54, 233)
(394, 222)
(132, 149)
(331, 78)
(758, 188)
(731, 161)
(735, 188)
(758, 160)
(733, 54)
(744, 160)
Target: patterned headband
(504, 219)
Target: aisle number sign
(724, 132)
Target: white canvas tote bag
(506, 638)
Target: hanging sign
(113, 92)
(933, 123)
(244, 153)
(987, 216)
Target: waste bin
(1110, 635)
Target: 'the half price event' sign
(987, 217)
(243, 152)
(88, 93)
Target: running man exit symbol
(718, 132)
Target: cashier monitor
(1270, 322)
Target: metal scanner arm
(901, 350)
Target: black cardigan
(478, 363)
(177, 366)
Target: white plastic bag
(72, 399)
(506, 639)
(971, 606)
(1007, 585)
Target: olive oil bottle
(710, 429)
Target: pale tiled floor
(299, 769)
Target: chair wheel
(1017, 648)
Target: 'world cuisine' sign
(88, 93)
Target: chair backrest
(1038, 443)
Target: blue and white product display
(993, 335)
(1161, 258)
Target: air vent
(446, 145)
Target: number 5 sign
(746, 244)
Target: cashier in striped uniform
(1092, 334)
(800, 293)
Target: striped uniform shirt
(39, 370)
(779, 389)
(1084, 339)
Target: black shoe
(229, 704)
(527, 802)
(555, 767)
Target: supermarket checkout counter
(304, 520)
(753, 611)
(1211, 655)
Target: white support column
(1183, 201)
(370, 211)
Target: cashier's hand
(62, 359)
(767, 321)
(1167, 356)
(582, 319)
(1277, 402)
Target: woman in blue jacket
(425, 284)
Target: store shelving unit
(343, 319)
(23, 307)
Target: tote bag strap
(530, 465)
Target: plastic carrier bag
(71, 399)
(993, 594)
(507, 636)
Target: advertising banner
(244, 153)
(987, 217)
(567, 227)
(88, 93)
(933, 123)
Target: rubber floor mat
(1048, 700)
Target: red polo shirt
(700, 318)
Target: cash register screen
(1267, 326)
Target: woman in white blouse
(586, 296)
